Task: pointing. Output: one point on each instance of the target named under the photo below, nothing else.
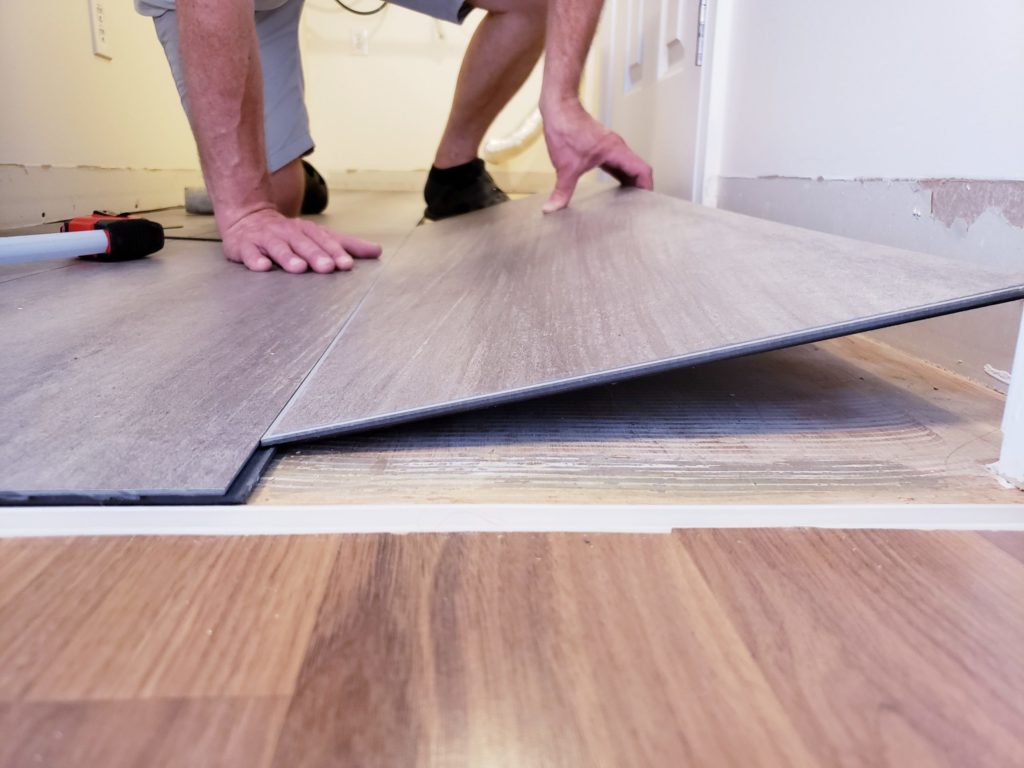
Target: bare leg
(287, 186)
(500, 56)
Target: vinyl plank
(162, 618)
(841, 421)
(154, 380)
(888, 648)
(557, 650)
(168, 733)
(506, 303)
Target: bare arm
(224, 85)
(576, 141)
(220, 58)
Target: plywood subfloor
(844, 421)
(505, 304)
(746, 648)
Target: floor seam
(327, 350)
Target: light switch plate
(98, 22)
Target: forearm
(570, 32)
(223, 81)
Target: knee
(535, 10)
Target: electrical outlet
(361, 42)
(98, 22)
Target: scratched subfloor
(844, 421)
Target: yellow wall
(62, 106)
(67, 109)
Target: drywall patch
(967, 200)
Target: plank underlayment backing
(154, 380)
(506, 304)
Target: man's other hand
(265, 237)
(578, 143)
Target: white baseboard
(259, 520)
(32, 195)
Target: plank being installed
(154, 380)
(506, 303)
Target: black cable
(378, 9)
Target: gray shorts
(285, 119)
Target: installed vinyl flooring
(725, 648)
(158, 377)
(843, 421)
(157, 380)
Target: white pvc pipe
(499, 149)
(59, 245)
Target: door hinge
(702, 16)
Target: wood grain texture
(506, 303)
(169, 733)
(527, 650)
(843, 421)
(159, 376)
(887, 648)
(166, 618)
(746, 648)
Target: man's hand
(265, 237)
(578, 143)
(221, 63)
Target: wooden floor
(718, 648)
(844, 421)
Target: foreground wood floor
(716, 648)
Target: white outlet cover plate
(99, 24)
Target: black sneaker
(314, 199)
(464, 188)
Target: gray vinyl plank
(155, 379)
(506, 304)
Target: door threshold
(281, 520)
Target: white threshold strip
(271, 520)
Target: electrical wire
(378, 9)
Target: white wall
(834, 116)
(875, 89)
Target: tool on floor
(99, 237)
